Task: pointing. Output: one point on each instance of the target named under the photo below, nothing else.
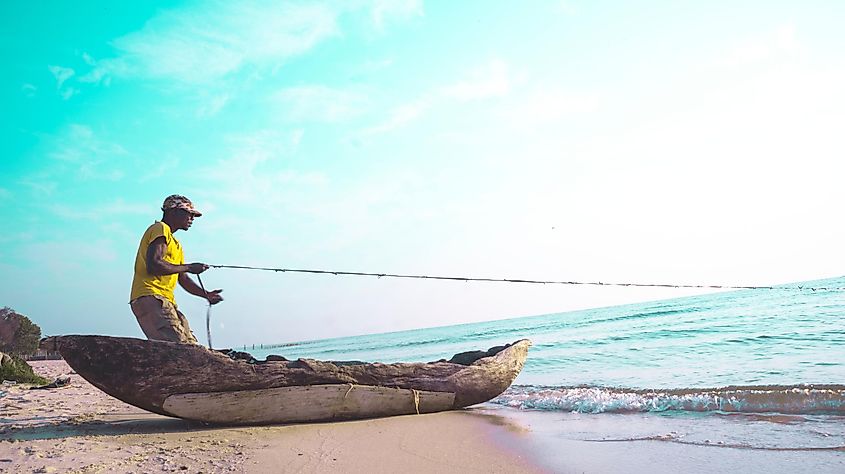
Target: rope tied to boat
(416, 399)
(351, 386)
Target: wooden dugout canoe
(191, 382)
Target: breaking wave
(788, 399)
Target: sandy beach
(78, 428)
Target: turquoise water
(776, 350)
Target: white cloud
(566, 7)
(252, 170)
(319, 103)
(491, 80)
(263, 145)
(68, 92)
(521, 106)
(40, 185)
(67, 145)
(102, 70)
(208, 41)
(400, 116)
(374, 66)
(771, 45)
(29, 89)
(117, 207)
(164, 166)
(211, 106)
(205, 43)
(296, 137)
(93, 170)
(85, 254)
(545, 105)
(89, 60)
(61, 74)
(79, 146)
(387, 10)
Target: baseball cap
(177, 201)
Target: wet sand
(80, 429)
(670, 443)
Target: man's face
(184, 219)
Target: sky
(658, 141)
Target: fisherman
(159, 264)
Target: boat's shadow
(129, 423)
(143, 423)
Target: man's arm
(188, 284)
(158, 266)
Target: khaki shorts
(160, 320)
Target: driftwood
(190, 381)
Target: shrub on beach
(18, 335)
(14, 368)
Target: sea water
(758, 356)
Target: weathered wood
(306, 403)
(145, 373)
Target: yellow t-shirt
(143, 283)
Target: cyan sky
(688, 142)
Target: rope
(207, 313)
(416, 399)
(541, 282)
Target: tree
(18, 335)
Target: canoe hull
(189, 381)
(305, 404)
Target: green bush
(18, 370)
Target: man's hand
(186, 282)
(197, 268)
(214, 297)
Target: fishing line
(505, 280)
(541, 282)
(207, 312)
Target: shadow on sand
(141, 422)
(106, 425)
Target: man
(159, 265)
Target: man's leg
(160, 320)
(187, 334)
